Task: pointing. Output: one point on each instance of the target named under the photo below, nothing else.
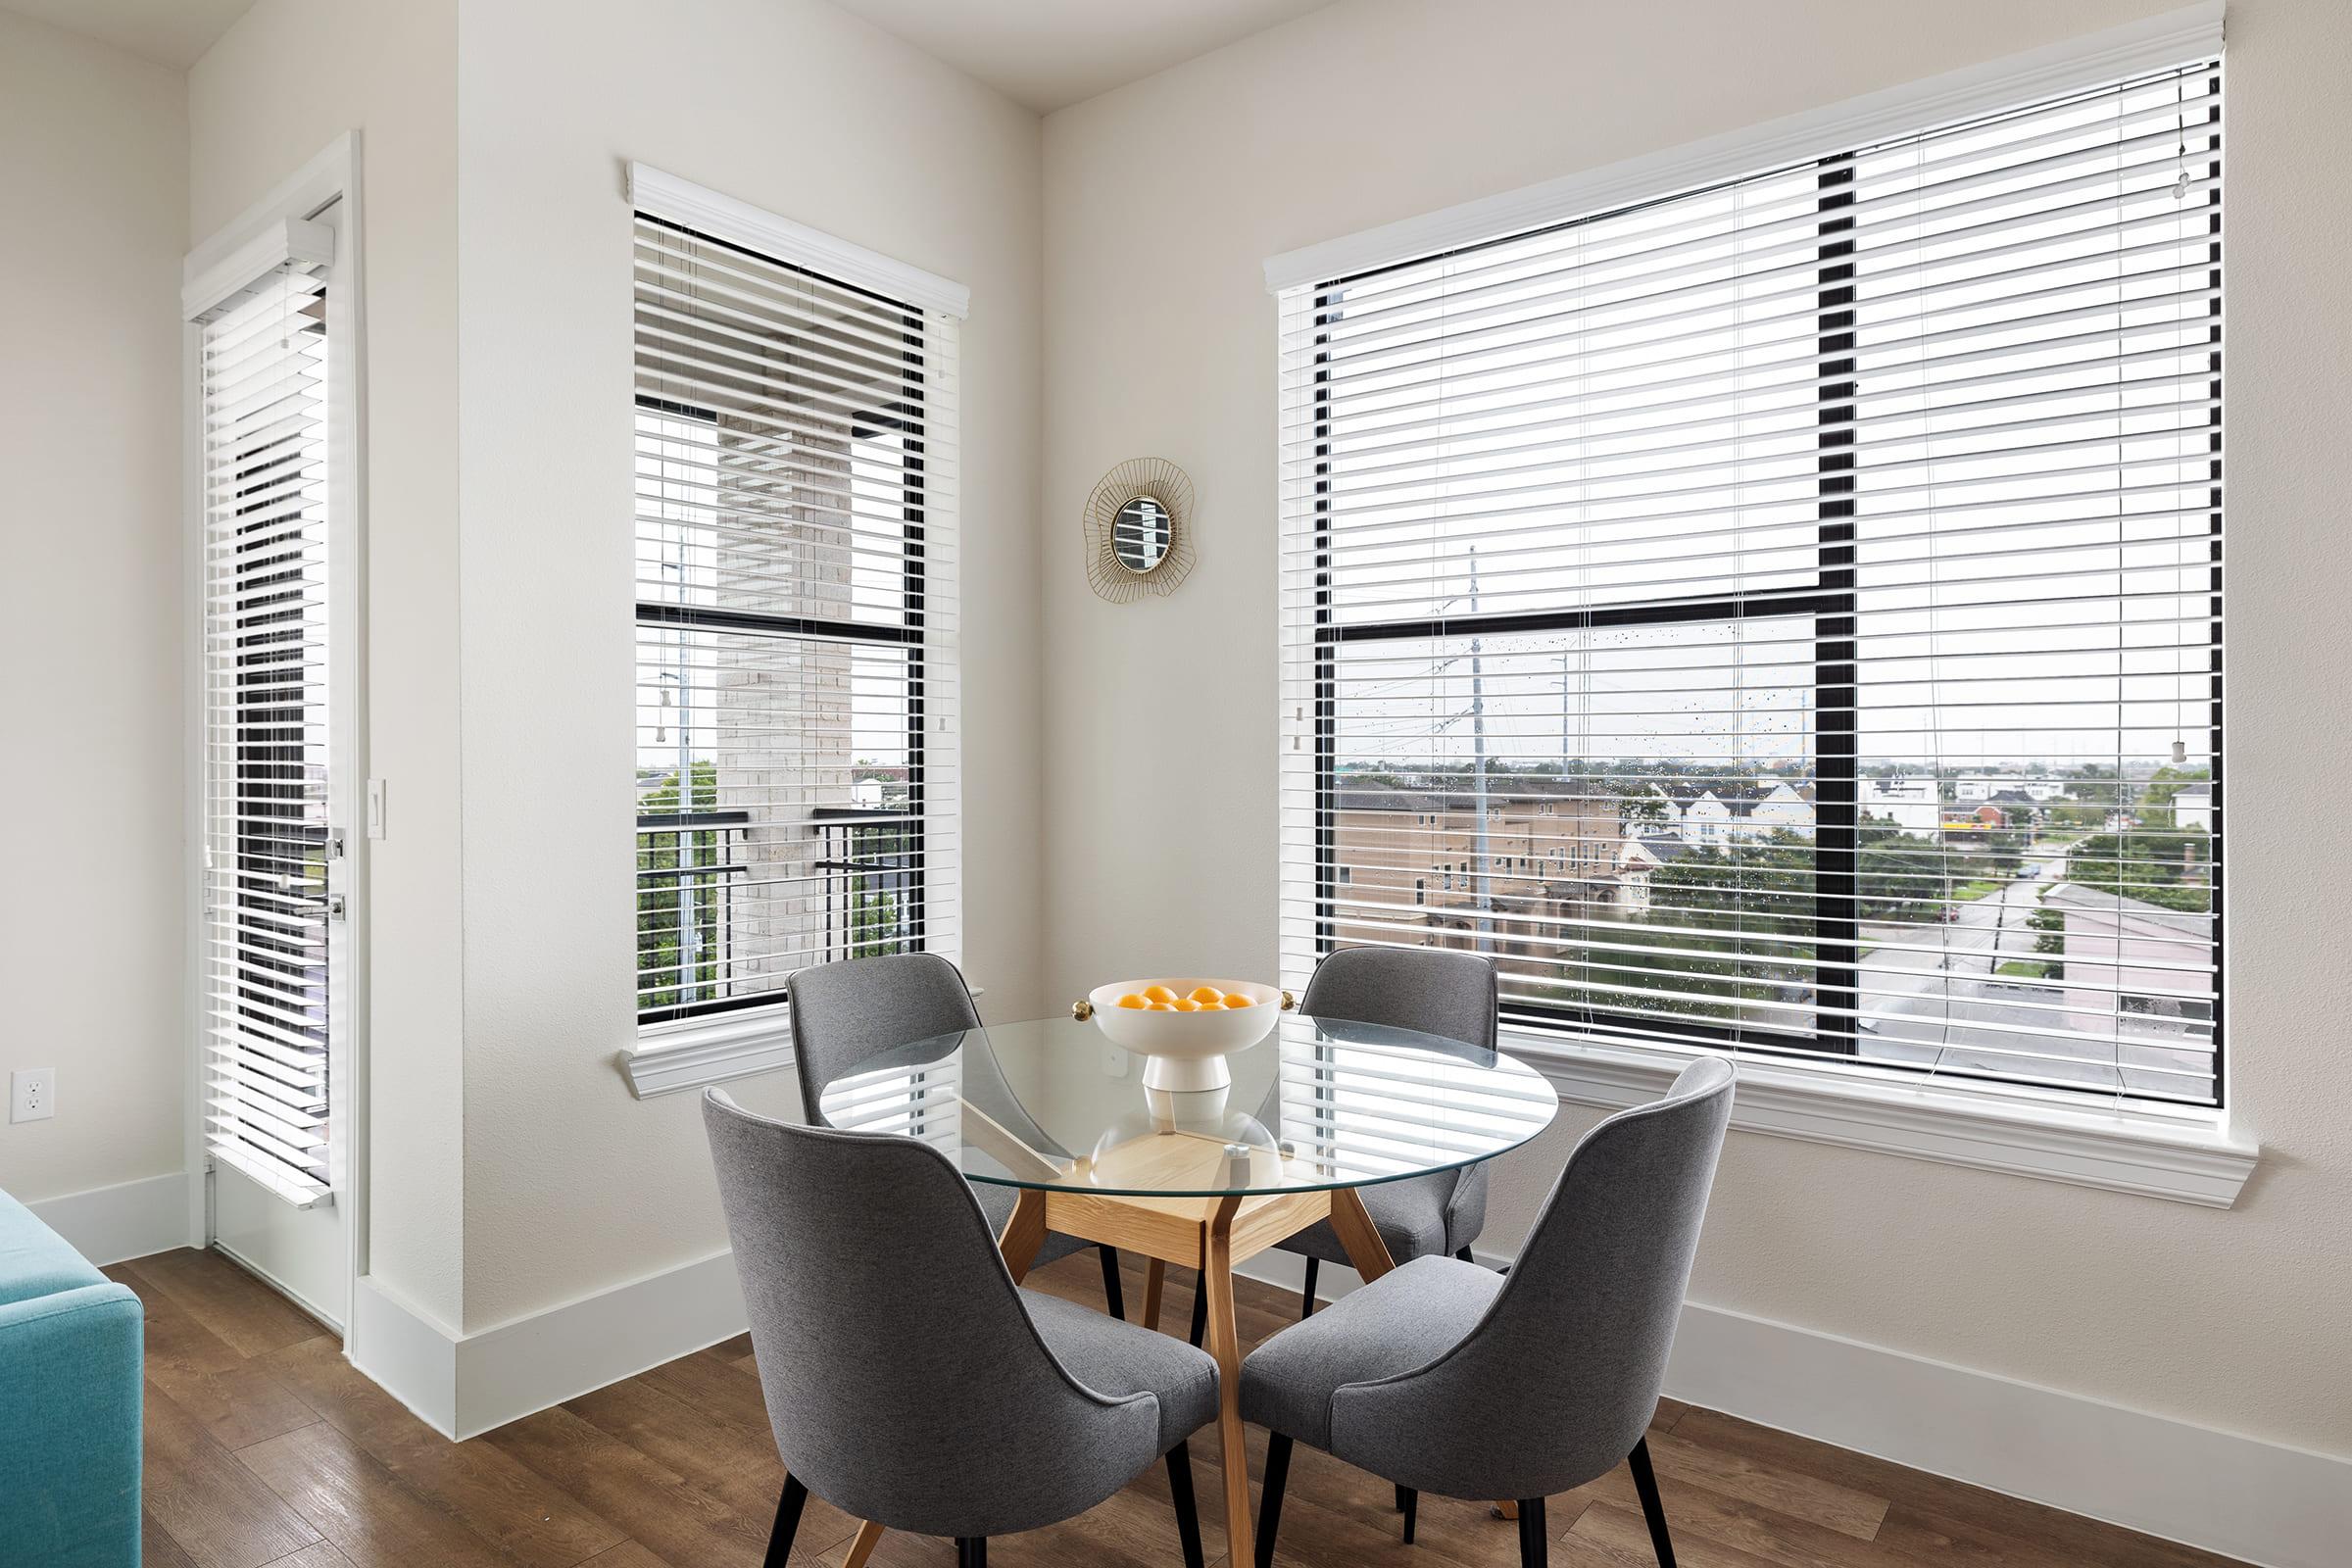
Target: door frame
(330, 177)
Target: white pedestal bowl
(1185, 1052)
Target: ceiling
(1042, 53)
(170, 32)
(1050, 52)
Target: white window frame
(2193, 1156)
(676, 1056)
(222, 264)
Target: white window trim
(739, 223)
(2194, 1159)
(2152, 43)
(275, 225)
(2186, 1159)
(674, 1057)
(671, 1058)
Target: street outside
(1929, 996)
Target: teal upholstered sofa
(69, 1366)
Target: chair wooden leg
(1188, 1516)
(1413, 1509)
(971, 1551)
(1307, 1297)
(1400, 1500)
(1112, 1297)
(1269, 1496)
(1199, 1309)
(1646, 1482)
(1535, 1541)
(788, 1521)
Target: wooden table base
(1211, 1235)
(1207, 1234)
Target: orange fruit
(1158, 994)
(1205, 995)
(1131, 1000)
(1185, 1004)
(1234, 999)
(1159, 1007)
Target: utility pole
(1478, 750)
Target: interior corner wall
(1162, 200)
(279, 86)
(93, 182)
(571, 1186)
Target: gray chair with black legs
(845, 1014)
(1434, 991)
(1444, 1377)
(915, 1386)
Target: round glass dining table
(1317, 1110)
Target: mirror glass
(1138, 535)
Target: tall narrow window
(272, 900)
(1828, 559)
(796, 789)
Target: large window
(1785, 615)
(794, 769)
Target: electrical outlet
(32, 1093)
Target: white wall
(571, 1186)
(92, 179)
(287, 79)
(1161, 201)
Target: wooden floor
(264, 1447)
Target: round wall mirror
(1138, 526)
(1138, 535)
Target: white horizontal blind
(268, 838)
(1785, 615)
(796, 624)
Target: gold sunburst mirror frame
(1139, 530)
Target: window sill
(674, 1057)
(2185, 1161)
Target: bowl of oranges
(1184, 1028)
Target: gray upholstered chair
(1447, 1378)
(845, 1015)
(1436, 991)
(916, 1386)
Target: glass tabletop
(1318, 1104)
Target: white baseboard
(2265, 1503)
(2260, 1501)
(409, 1352)
(131, 1219)
(464, 1384)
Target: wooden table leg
(1357, 1233)
(1225, 1344)
(1024, 1234)
(1156, 1274)
(870, 1535)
